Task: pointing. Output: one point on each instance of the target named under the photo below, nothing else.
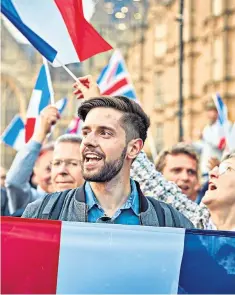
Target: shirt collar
(132, 201)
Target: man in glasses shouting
(220, 197)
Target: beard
(107, 172)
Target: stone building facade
(209, 64)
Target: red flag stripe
(30, 256)
(29, 128)
(86, 40)
(116, 86)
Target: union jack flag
(115, 79)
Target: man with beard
(114, 132)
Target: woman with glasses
(220, 197)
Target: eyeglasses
(70, 163)
(224, 167)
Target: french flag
(58, 29)
(223, 122)
(115, 79)
(14, 134)
(75, 126)
(40, 98)
(55, 257)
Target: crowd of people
(105, 176)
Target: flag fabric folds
(115, 79)
(40, 98)
(49, 257)
(14, 135)
(37, 104)
(224, 124)
(75, 126)
(40, 21)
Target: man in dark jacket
(114, 132)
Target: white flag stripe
(38, 18)
(34, 103)
(82, 270)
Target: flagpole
(68, 70)
(51, 90)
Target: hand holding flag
(86, 87)
(48, 117)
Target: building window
(217, 7)
(217, 56)
(159, 89)
(159, 137)
(160, 45)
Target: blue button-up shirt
(127, 214)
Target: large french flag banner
(115, 79)
(58, 29)
(54, 257)
(14, 134)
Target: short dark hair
(134, 120)
(72, 138)
(177, 149)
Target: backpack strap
(159, 211)
(52, 205)
(175, 217)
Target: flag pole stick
(68, 71)
(51, 90)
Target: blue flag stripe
(11, 133)
(42, 84)
(100, 78)
(203, 270)
(42, 46)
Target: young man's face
(103, 148)
(66, 166)
(182, 170)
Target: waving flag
(49, 257)
(40, 98)
(223, 122)
(56, 28)
(14, 135)
(75, 126)
(115, 79)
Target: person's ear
(134, 148)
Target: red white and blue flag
(54, 257)
(75, 126)
(224, 123)
(115, 79)
(14, 134)
(40, 98)
(58, 29)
